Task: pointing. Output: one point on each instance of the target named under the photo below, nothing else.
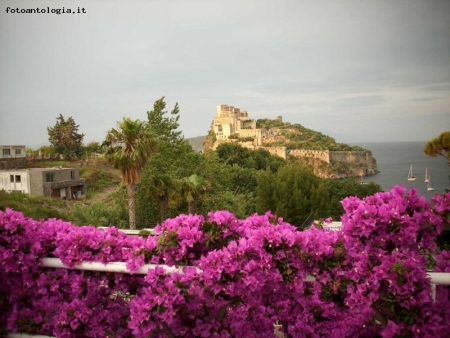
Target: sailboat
(427, 179)
(429, 187)
(411, 176)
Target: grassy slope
(101, 180)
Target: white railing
(150, 231)
(117, 267)
(439, 278)
(26, 335)
(335, 226)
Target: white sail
(411, 176)
(429, 187)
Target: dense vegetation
(296, 136)
(176, 179)
(65, 138)
(439, 146)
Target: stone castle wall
(256, 133)
(278, 151)
(250, 133)
(249, 145)
(323, 155)
(219, 142)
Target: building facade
(64, 183)
(230, 120)
(13, 156)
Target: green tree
(164, 124)
(65, 138)
(294, 199)
(264, 191)
(46, 150)
(129, 148)
(156, 193)
(439, 146)
(192, 189)
(92, 147)
(320, 199)
(340, 189)
(160, 187)
(260, 159)
(288, 193)
(294, 192)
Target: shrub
(249, 274)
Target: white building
(12, 151)
(56, 182)
(14, 156)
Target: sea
(394, 160)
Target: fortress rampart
(278, 151)
(323, 155)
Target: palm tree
(192, 189)
(129, 148)
(164, 187)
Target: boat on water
(411, 176)
(427, 179)
(429, 187)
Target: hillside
(196, 142)
(277, 133)
(296, 136)
(102, 181)
(327, 157)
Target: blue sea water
(394, 160)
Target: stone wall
(256, 133)
(323, 155)
(278, 151)
(13, 163)
(249, 145)
(45, 157)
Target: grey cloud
(360, 101)
(296, 58)
(423, 99)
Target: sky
(359, 71)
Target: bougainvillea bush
(239, 277)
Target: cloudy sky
(360, 71)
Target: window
(49, 177)
(72, 174)
(6, 152)
(11, 178)
(18, 151)
(18, 179)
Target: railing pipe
(439, 278)
(120, 267)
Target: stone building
(233, 121)
(64, 183)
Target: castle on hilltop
(232, 124)
(231, 121)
